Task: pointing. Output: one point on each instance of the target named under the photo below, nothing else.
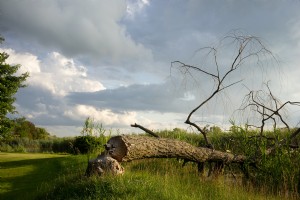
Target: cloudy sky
(111, 59)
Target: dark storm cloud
(42, 107)
(176, 29)
(88, 28)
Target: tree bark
(103, 164)
(127, 148)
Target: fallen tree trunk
(128, 148)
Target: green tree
(10, 82)
(26, 129)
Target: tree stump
(104, 164)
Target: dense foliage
(23, 128)
(10, 82)
(88, 144)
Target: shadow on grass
(21, 179)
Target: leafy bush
(87, 144)
(92, 139)
(4, 147)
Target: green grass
(153, 179)
(22, 174)
(52, 176)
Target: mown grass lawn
(22, 174)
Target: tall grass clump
(161, 179)
(277, 172)
(183, 135)
(92, 138)
(280, 171)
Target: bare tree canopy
(246, 48)
(267, 106)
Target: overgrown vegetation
(92, 139)
(277, 173)
(26, 137)
(153, 179)
(50, 145)
(277, 176)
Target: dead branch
(245, 51)
(144, 129)
(267, 106)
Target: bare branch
(247, 47)
(187, 67)
(259, 100)
(144, 129)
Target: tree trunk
(128, 148)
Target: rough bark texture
(127, 148)
(104, 164)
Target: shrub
(92, 138)
(88, 144)
(63, 145)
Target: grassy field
(22, 175)
(53, 176)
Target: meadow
(61, 176)
(53, 176)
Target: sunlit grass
(21, 174)
(151, 179)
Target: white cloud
(135, 7)
(57, 73)
(188, 96)
(105, 116)
(29, 62)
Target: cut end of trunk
(118, 148)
